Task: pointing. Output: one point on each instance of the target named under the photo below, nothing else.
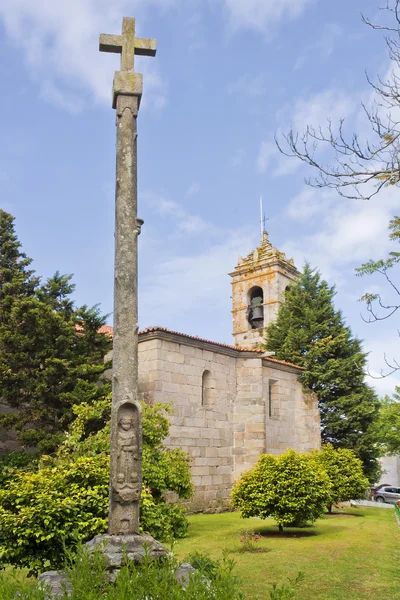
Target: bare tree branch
(360, 169)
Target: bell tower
(259, 282)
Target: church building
(231, 403)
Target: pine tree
(311, 333)
(51, 354)
(16, 278)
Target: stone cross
(127, 44)
(126, 424)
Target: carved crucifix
(126, 426)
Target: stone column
(126, 423)
(126, 431)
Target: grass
(343, 557)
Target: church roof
(108, 330)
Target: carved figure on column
(126, 484)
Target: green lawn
(343, 557)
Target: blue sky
(228, 74)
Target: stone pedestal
(119, 548)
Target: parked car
(388, 494)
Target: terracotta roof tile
(108, 330)
(240, 348)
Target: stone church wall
(251, 405)
(172, 372)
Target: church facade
(231, 403)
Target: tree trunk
(280, 528)
(330, 509)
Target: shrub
(291, 487)
(66, 500)
(345, 472)
(23, 461)
(149, 579)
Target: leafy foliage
(148, 579)
(66, 500)
(286, 591)
(292, 488)
(22, 461)
(51, 354)
(345, 472)
(387, 427)
(311, 333)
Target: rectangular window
(272, 399)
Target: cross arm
(145, 47)
(110, 43)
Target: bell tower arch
(259, 282)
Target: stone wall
(223, 414)
(391, 470)
(172, 372)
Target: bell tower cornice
(265, 255)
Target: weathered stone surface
(226, 437)
(126, 423)
(265, 267)
(182, 575)
(134, 547)
(56, 583)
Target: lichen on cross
(127, 44)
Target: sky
(228, 76)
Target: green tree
(387, 427)
(65, 500)
(292, 488)
(16, 278)
(311, 333)
(345, 472)
(51, 353)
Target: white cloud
(194, 287)
(262, 15)
(270, 157)
(345, 231)
(59, 42)
(313, 111)
(316, 109)
(184, 222)
(308, 204)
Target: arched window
(256, 307)
(206, 389)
